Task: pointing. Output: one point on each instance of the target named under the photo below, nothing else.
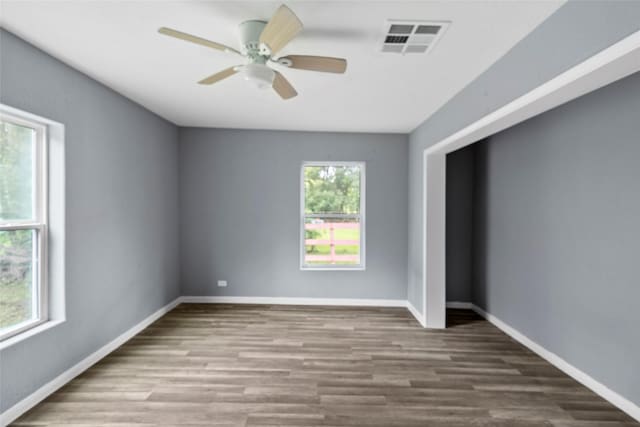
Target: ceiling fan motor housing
(250, 39)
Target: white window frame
(361, 216)
(39, 224)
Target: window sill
(360, 268)
(29, 333)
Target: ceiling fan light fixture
(259, 74)
(260, 41)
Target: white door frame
(611, 64)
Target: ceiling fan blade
(195, 39)
(317, 63)
(281, 29)
(283, 87)
(228, 72)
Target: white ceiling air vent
(412, 36)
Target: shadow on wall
(467, 251)
(461, 203)
(480, 224)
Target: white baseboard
(419, 316)
(459, 304)
(354, 302)
(39, 395)
(597, 387)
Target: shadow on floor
(459, 317)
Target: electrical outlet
(222, 283)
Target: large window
(23, 225)
(332, 218)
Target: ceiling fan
(261, 41)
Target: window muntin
(332, 223)
(23, 225)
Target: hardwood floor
(248, 365)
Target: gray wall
(575, 32)
(557, 253)
(459, 223)
(121, 213)
(240, 210)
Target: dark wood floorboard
(250, 365)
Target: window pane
(17, 145)
(17, 290)
(332, 189)
(332, 241)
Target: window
(23, 225)
(332, 218)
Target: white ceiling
(116, 42)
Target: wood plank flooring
(248, 365)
